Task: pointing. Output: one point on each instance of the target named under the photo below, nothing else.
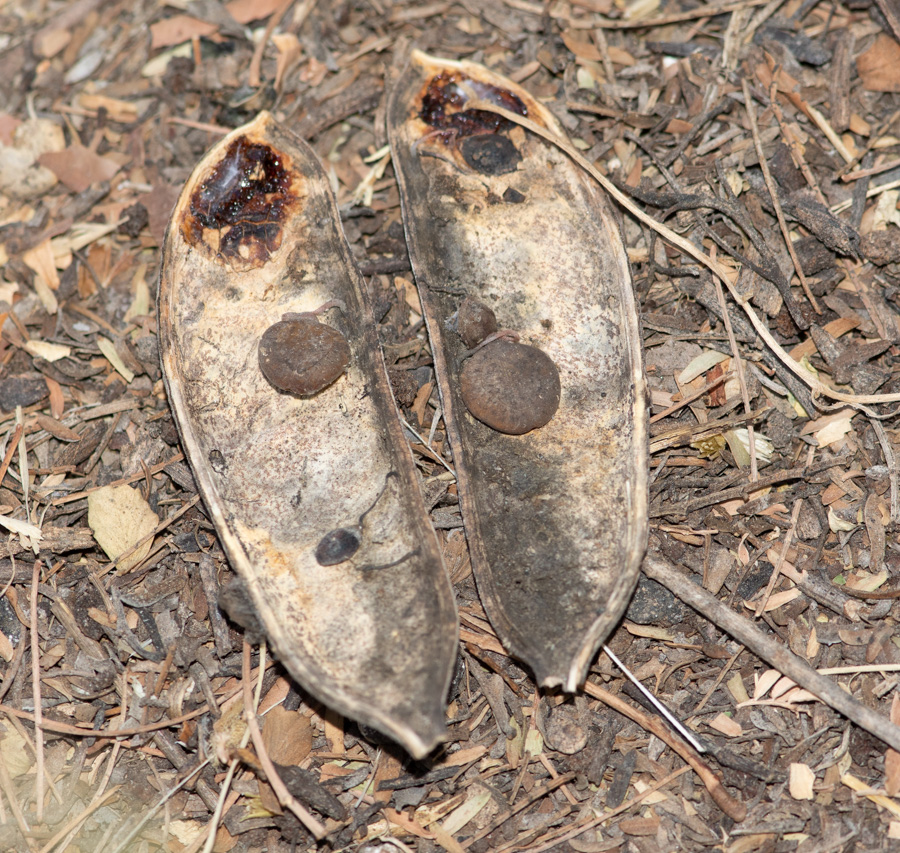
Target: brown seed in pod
(475, 321)
(301, 356)
(512, 387)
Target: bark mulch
(767, 134)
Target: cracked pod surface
(314, 497)
(556, 518)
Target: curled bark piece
(556, 518)
(314, 497)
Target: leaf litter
(99, 127)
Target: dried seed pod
(301, 356)
(475, 321)
(513, 388)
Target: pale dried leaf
(120, 517)
(699, 365)
(108, 348)
(764, 682)
(736, 688)
(801, 782)
(726, 725)
(47, 351)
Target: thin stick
(284, 796)
(773, 193)
(40, 782)
(8, 789)
(124, 481)
(220, 807)
(653, 700)
(736, 810)
(717, 682)
(891, 461)
(691, 397)
(776, 570)
(739, 365)
(771, 650)
(80, 818)
(584, 827)
(679, 17)
(66, 729)
(160, 803)
(17, 434)
(531, 798)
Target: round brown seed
(475, 321)
(301, 356)
(512, 387)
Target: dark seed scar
(237, 212)
(479, 135)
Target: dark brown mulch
(105, 107)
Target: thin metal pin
(679, 727)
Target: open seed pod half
(275, 376)
(556, 516)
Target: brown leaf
(179, 29)
(79, 167)
(245, 11)
(879, 66)
(287, 736)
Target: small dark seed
(475, 321)
(302, 356)
(512, 387)
(337, 546)
(490, 153)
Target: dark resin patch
(300, 355)
(337, 546)
(512, 387)
(443, 99)
(490, 154)
(239, 210)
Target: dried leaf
(108, 348)
(47, 351)
(838, 524)
(15, 753)
(479, 797)
(697, 366)
(736, 688)
(23, 528)
(726, 725)
(78, 167)
(879, 66)
(801, 782)
(120, 517)
(764, 682)
(178, 29)
(287, 735)
(650, 631)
